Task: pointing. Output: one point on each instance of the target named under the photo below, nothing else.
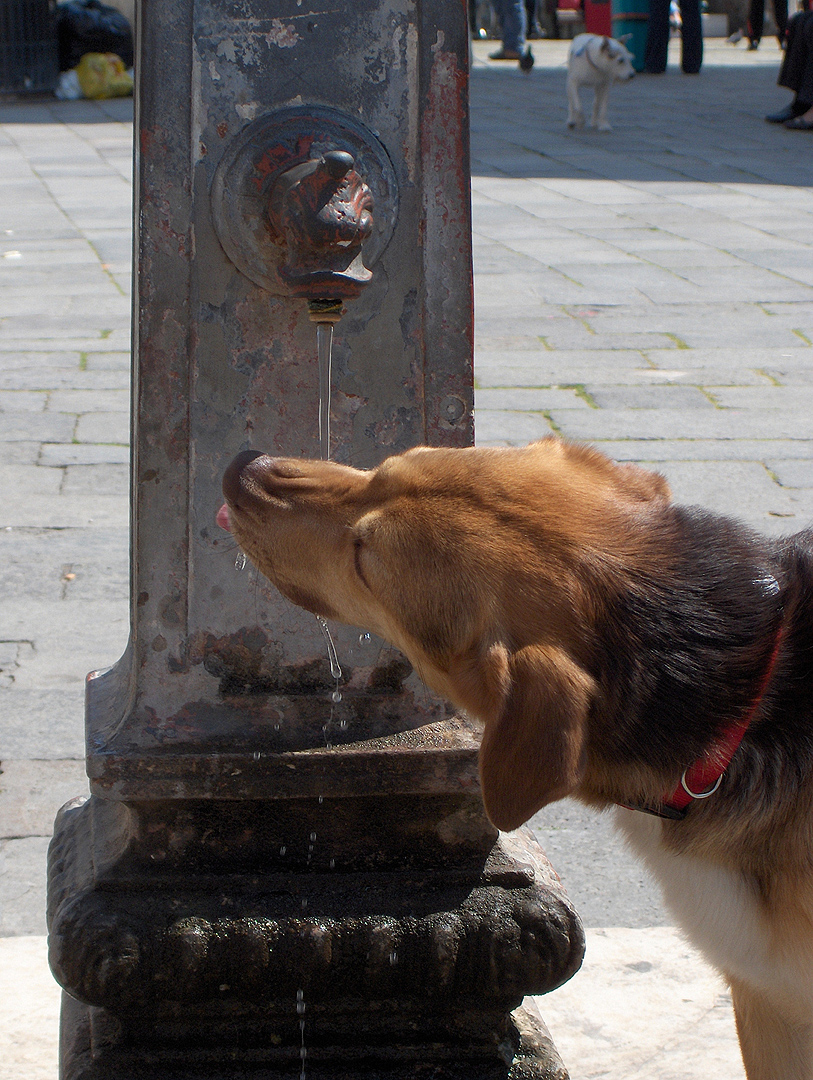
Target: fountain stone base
(220, 939)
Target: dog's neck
(585, 52)
(702, 779)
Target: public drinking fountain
(284, 869)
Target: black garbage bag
(85, 26)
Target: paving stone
(104, 427)
(530, 400)
(28, 481)
(91, 481)
(89, 401)
(672, 424)
(43, 725)
(22, 885)
(31, 792)
(57, 454)
(791, 474)
(500, 428)
(31, 510)
(787, 398)
(32, 571)
(23, 401)
(23, 426)
(666, 396)
(742, 489)
(717, 450)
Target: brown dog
(616, 647)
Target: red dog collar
(703, 778)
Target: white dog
(598, 62)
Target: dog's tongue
(223, 519)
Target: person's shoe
(534, 33)
(526, 61)
(790, 112)
(505, 54)
(799, 124)
(753, 45)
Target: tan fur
(494, 599)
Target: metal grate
(28, 48)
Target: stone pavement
(648, 289)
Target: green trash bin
(632, 17)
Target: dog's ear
(533, 750)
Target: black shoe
(790, 112)
(526, 61)
(753, 45)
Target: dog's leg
(775, 1044)
(600, 107)
(575, 116)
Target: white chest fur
(719, 910)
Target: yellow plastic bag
(103, 75)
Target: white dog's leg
(600, 107)
(575, 116)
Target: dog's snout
(235, 474)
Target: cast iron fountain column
(284, 872)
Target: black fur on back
(682, 652)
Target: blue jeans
(511, 14)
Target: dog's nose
(233, 476)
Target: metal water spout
(321, 211)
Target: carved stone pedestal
(258, 939)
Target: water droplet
(332, 864)
(300, 1008)
(301, 1022)
(343, 725)
(321, 799)
(313, 836)
(364, 639)
(328, 745)
(393, 957)
(276, 727)
(256, 755)
(303, 1053)
(240, 561)
(335, 669)
(304, 903)
(336, 697)
(300, 995)
(283, 849)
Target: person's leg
(796, 72)
(532, 23)
(796, 60)
(756, 18)
(801, 57)
(657, 37)
(791, 72)
(691, 34)
(511, 14)
(780, 11)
